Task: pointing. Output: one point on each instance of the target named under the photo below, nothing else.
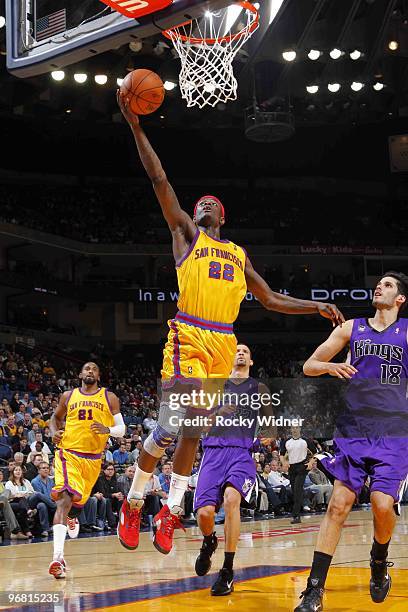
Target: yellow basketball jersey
(82, 411)
(211, 279)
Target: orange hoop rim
(170, 33)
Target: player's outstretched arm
(285, 303)
(57, 419)
(319, 362)
(177, 219)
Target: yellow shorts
(197, 348)
(75, 473)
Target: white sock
(140, 480)
(178, 486)
(60, 531)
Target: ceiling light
(58, 75)
(289, 56)
(101, 79)
(357, 86)
(136, 46)
(314, 54)
(312, 89)
(355, 55)
(80, 77)
(2, 21)
(335, 54)
(169, 85)
(393, 45)
(378, 86)
(333, 87)
(119, 82)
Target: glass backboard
(44, 35)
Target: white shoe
(57, 569)
(73, 527)
(306, 508)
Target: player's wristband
(119, 429)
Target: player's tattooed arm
(285, 303)
(57, 420)
(320, 362)
(180, 223)
(119, 429)
(267, 433)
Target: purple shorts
(222, 465)
(385, 460)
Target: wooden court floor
(271, 570)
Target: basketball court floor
(270, 571)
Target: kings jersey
(211, 278)
(82, 410)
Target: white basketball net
(207, 47)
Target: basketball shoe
(129, 523)
(165, 522)
(57, 569)
(312, 597)
(380, 582)
(224, 585)
(73, 527)
(203, 561)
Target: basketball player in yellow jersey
(213, 276)
(91, 415)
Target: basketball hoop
(207, 47)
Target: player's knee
(382, 506)
(157, 442)
(338, 508)
(206, 514)
(232, 499)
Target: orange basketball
(143, 90)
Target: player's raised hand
(57, 437)
(130, 117)
(341, 370)
(330, 311)
(100, 429)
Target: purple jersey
(241, 433)
(376, 397)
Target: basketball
(143, 90)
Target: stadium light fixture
(101, 79)
(355, 55)
(393, 45)
(58, 75)
(2, 21)
(169, 85)
(357, 86)
(314, 54)
(378, 86)
(312, 89)
(119, 81)
(335, 53)
(333, 87)
(80, 77)
(289, 56)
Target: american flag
(51, 24)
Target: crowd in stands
(30, 387)
(130, 215)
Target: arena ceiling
(371, 85)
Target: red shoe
(57, 569)
(129, 523)
(165, 523)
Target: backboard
(44, 35)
